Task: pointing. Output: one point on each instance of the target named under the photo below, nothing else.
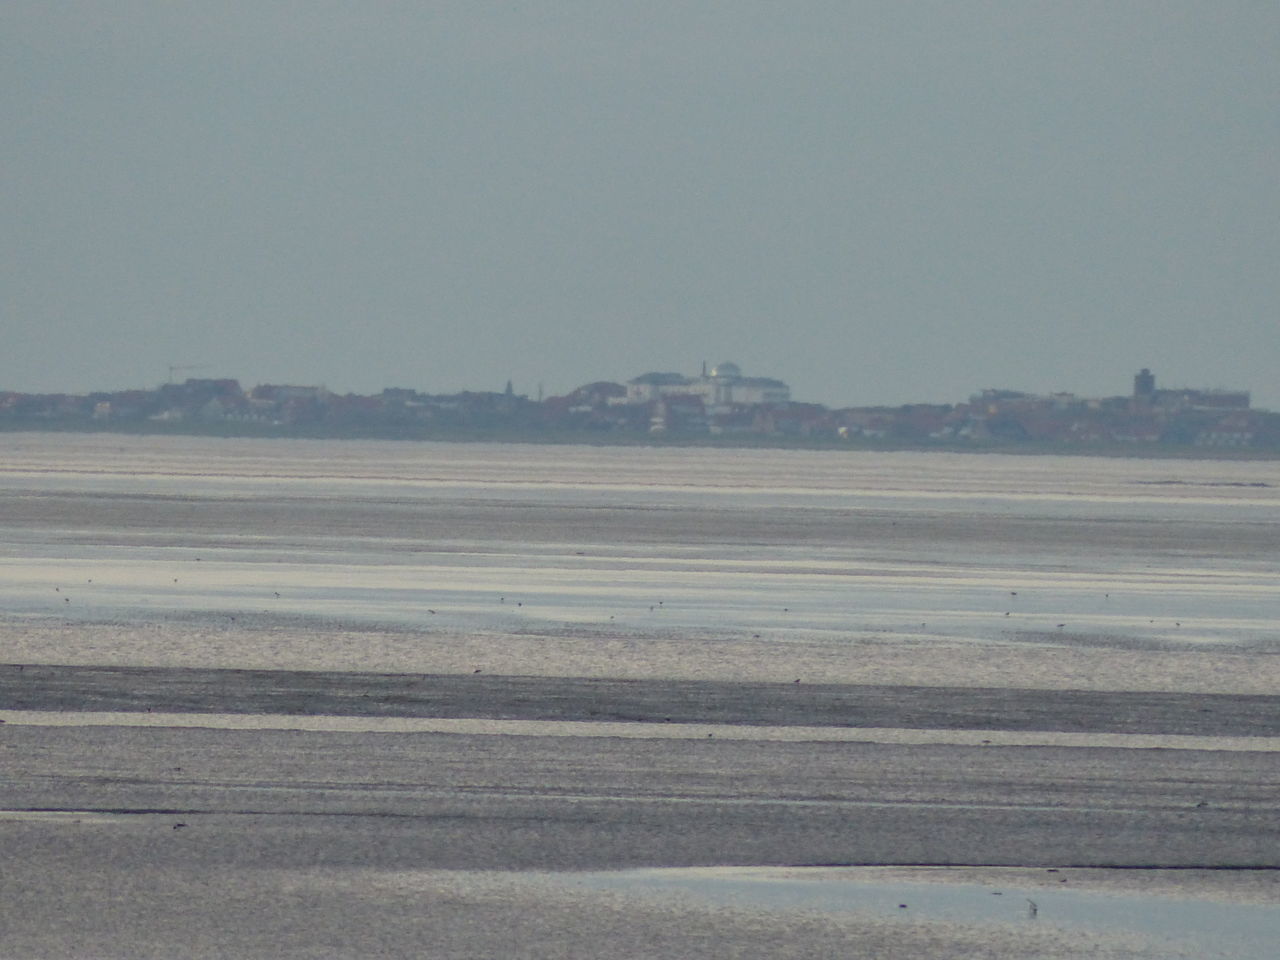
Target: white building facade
(724, 386)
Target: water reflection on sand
(1161, 912)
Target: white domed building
(723, 387)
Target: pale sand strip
(637, 731)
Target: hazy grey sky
(876, 202)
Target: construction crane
(175, 367)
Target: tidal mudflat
(302, 698)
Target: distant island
(718, 406)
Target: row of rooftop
(718, 402)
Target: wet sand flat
(319, 912)
(529, 802)
(1043, 665)
(46, 687)
(255, 843)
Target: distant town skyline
(714, 382)
(720, 404)
(800, 389)
(873, 202)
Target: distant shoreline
(1152, 451)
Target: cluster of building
(209, 404)
(723, 401)
(1214, 418)
(718, 402)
